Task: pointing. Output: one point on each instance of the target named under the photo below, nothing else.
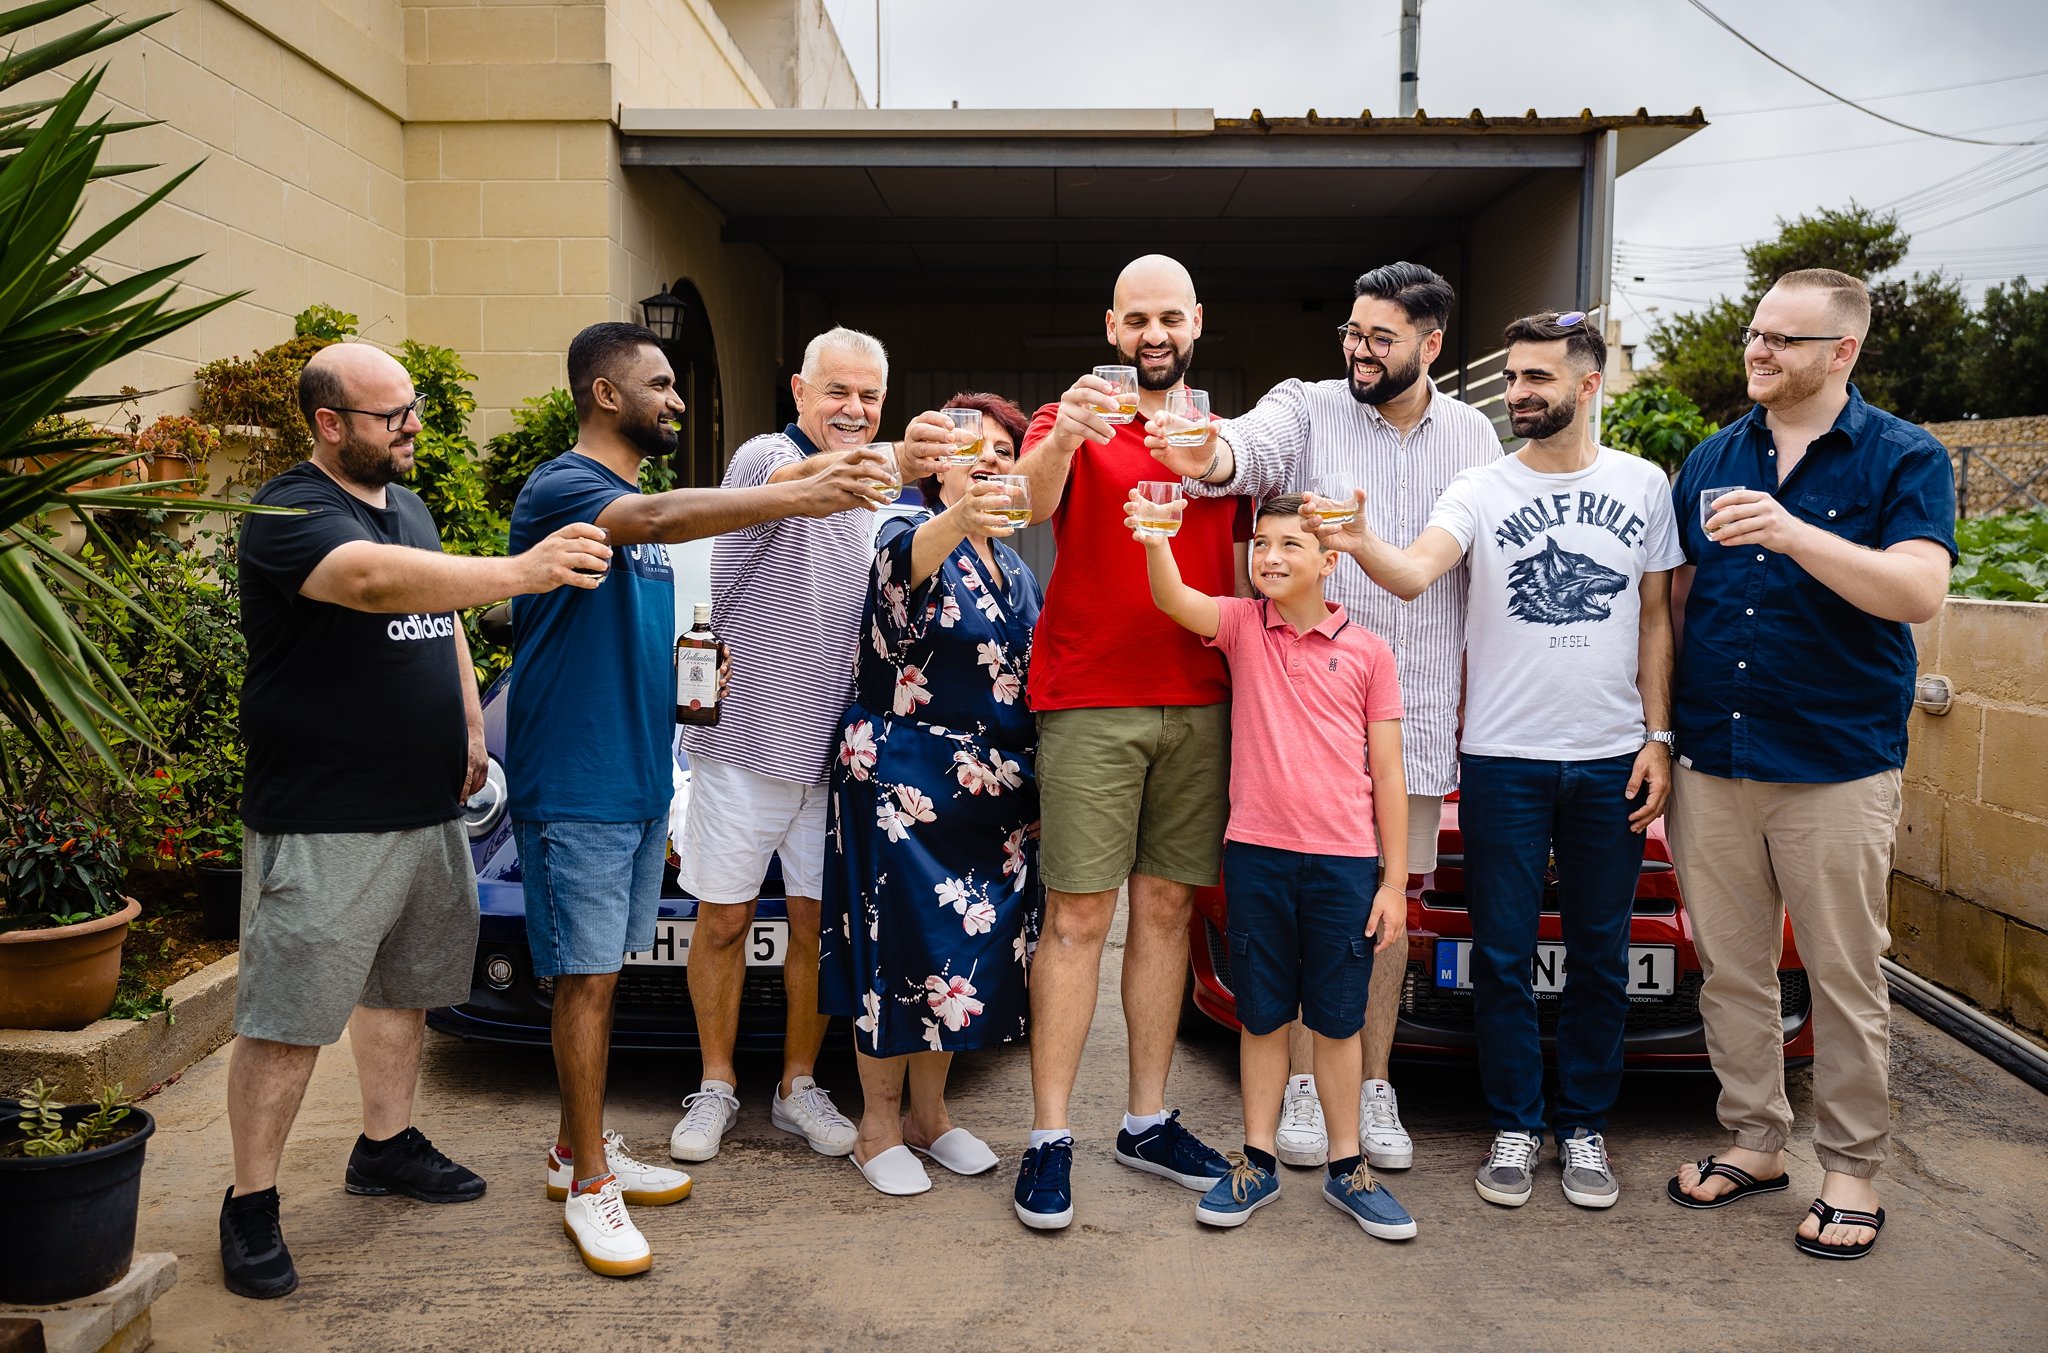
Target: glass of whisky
(1162, 504)
(1339, 507)
(1125, 379)
(887, 486)
(1187, 416)
(967, 421)
(1018, 511)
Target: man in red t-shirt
(1134, 746)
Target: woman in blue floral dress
(932, 900)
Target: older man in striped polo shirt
(1387, 429)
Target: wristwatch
(1669, 739)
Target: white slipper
(895, 1172)
(961, 1152)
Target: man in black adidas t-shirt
(365, 733)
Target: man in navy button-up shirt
(1819, 528)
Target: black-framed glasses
(1779, 342)
(394, 419)
(1379, 345)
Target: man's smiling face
(839, 406)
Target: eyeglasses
(1780, 342)
(394, 419)
(1377, 344)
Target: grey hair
(844, 340)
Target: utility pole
(1411, 39)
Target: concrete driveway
(781, 1248)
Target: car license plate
(1652, 968)
(766, 944)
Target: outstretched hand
(1342, 536)
(575, 556)
(1186, 461)
(1139, 511)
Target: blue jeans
(593, 891)
(1516, 814)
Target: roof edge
(1107, 122)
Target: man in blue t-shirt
(1819, 530)
(588, 737)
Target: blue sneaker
(1368, 1203)
(1233, 1198)
(1170, 1150)
(1045, 1200)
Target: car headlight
(482, 811)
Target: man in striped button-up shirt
(1387, 429)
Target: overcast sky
(1770, 151)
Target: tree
(1920, 327)
(2006, 373)
(1656, 421)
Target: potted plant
(62, 924)
(70, 1185)
(177, 447)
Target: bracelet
(1392, 889)
(1215, 459)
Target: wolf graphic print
(1556, 566)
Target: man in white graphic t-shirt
(1564, 757)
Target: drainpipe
(1411, 39)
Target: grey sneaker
(1588, 1179)
(1507, 1174)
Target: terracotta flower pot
(164, 466)
(63, 977)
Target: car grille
(667, 990)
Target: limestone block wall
(1969, 896)
(301, 194)
(2018, 446)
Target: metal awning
(1043, 201)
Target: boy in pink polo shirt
(1315, 728)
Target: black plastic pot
(70, 1219)
(220, 902)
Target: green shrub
(1655, 421)
(542, 428)
(2003, 558)
(57, 870)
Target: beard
(1545, 422)
(1160, 378)
(652, 435)
(1794, 385)
(369, 463)
(1393, 383)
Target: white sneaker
(706, 1116)
(1303, 1139)
(605, 1236)
(1386, 1143)
(809, 1113)
(639, 1183)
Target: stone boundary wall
(2019, 446)
(1969, 891)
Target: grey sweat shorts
(335, 920)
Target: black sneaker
(253, 1257)
(1170, 1150)
(409, 1164)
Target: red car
(1663, 1031)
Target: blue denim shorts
(592, 891)
(1297, 937)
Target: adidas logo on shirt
(421, 627)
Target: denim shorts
(592, 891)
(1297, 937)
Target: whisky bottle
(699, 653)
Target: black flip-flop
(1745, 1184)
(1830, 1215)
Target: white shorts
(1425, 815)
(737, 821)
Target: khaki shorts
(1425, 815)
(1144, 790)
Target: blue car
(509, 1004)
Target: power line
(1981, 210)
(1840, 98)
(1900, 94)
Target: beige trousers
(1749, 853)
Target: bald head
(1156, 277)
(350, 376)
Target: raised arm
(1257, 454)
(935, 540)
(818, 486)
(1050, 460)
(1406, 573)
(367, 576)
(1191, 610)
(1908, 581)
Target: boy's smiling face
(1287, 561)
